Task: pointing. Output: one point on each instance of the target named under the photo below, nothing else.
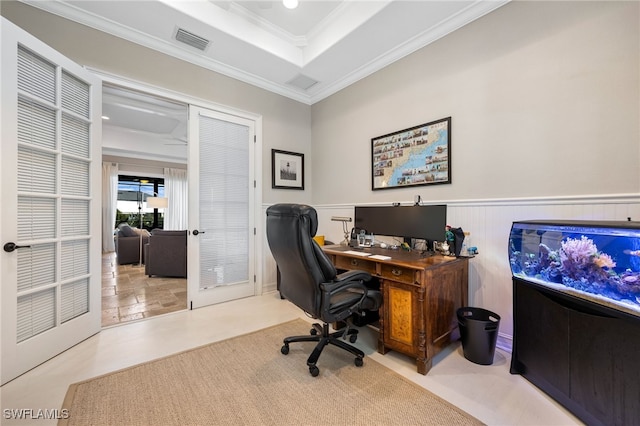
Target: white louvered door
(50, 195)
(221, 207)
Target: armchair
(128, 245)
(166, 254)
(309, 280)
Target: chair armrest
(128, 249)
(346, 281)
(352, 284)
(167, 254)
(353, 275)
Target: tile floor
(489, 393)
(128, 294)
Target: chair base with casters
(320, 333)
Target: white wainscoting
(489, 223)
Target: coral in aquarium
(578, 264)
(576, 254)
(581, 261)
(603, 260)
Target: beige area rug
(247, 381)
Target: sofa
(166, 254)
(127, 242)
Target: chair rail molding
(489, 223)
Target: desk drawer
(398, 273)
(343, 262)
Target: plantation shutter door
(39, 159)
(225, 209)
(55, 183)
(224, 202)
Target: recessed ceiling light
(104, 117)
(290, 4)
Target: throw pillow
(139, 231)
(127, 231)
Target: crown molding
(317, 93)
(259, 21)
(462, 18)
(338, 25)
(67, 11)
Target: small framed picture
(287, 169)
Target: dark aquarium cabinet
(576, 303)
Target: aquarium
(596, 261)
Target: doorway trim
(198, 102)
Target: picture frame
(287, 170)
(417, 156)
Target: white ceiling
(305, 54)
(335, 43)
(140, 125)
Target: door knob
(196, 232)
(9, 247)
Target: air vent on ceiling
(302, 82)
(191, 39)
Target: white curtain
(175, 189)
(109, 202)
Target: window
(132, 196)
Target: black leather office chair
(309, 280)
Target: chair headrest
(298, 210)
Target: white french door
(50, 210)
(222, 248)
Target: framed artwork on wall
(420, 155)
(287, 169)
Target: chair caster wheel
(353, 338)
(314, 371)
(284, 349)
(358, 362)
(313, 331)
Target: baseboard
(504, 342)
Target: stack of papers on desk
(357, 253)
(380, 257)
(369, 255)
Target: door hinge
(254, 278)
(254, 231)
(191, 305)
(254, 183)
(255, 139)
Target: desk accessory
(345, 228)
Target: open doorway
(144, 136)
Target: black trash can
(479, 332)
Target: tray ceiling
(306, 54)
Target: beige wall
(286, 123)
(544, 99)
(545, 106)
(545, 103)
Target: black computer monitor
(419, 222)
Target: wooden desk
(421, 297)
